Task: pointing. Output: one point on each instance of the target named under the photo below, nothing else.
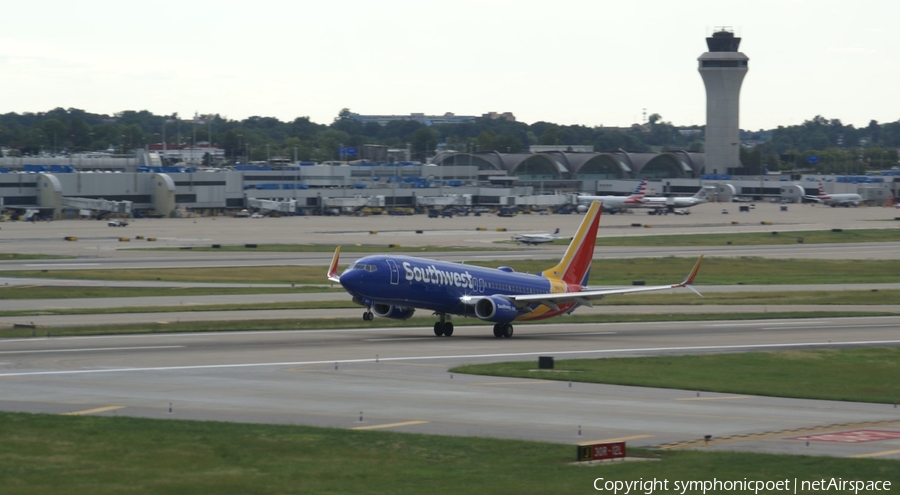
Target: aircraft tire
(497, 331)
(507, 330)
(367, 316)
(448, 329)
(438, 329)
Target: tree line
(837, 147)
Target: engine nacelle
(496, 309)
(392, 312)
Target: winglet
(689, 280)
(332, 269)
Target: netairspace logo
(683, 487)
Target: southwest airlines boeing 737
(396, 286)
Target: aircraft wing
(585, 297)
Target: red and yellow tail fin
(575, 264)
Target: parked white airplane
(536, 239)
(612, 204)
(670, 204)
(845, 199)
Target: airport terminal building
(548, 179)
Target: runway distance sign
(601, 451)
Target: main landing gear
(368, 316)
(503, 330)
(443, 327)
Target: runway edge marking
(762, 435)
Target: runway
(397, 379)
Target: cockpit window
(362, 266)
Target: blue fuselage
(433, 285)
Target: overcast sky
(588, 62)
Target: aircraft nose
(352, 279)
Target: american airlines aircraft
(833, 200)
(536, 239)
(661, 202)
(395, 286)
(613, 204)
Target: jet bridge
(288, 206)
(99, 205)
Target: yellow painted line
(877, 454)
(620, 439)
(390, 425)
(93, 411)
(729, 397)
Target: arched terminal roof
(534, 166)
(600, 166)
(487, 160)
(618, 164)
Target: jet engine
(392, 312)
(497, 309)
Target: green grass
(70, 292)
(857, 374)
(303, 275)
(426, 322)
(42, 454)
(729, 271)
(20, 256)
(666, 270)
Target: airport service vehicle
(395, 287)
(613, 204)
(832, 200)
(116, 223)
(535, 239)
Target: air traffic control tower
(722, 69)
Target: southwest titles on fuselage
(434, 275)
